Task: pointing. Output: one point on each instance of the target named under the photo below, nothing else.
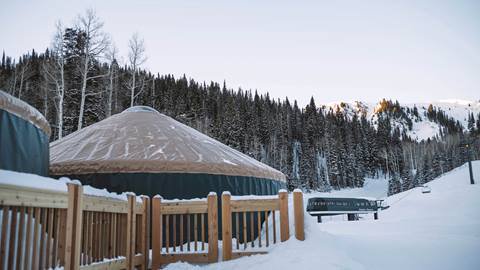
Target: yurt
(144, 151)
(24, 137)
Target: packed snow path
(438, 230)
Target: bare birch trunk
(132, 92)
(110, 93)
(61, 97)
(83, 92)
(22, 73)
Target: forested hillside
(79, 81)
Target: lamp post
(470, 165)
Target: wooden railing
(42, 229)
(114, 234)
(33, 227)
(173, 234)
(242, 219)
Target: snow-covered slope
(457, 109)
(422, 127)
(439, 230)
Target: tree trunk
(153, 92)
(84, 89)
(132, 94)
(61, 95)
(14, 81)
(45, 100)
(110, 93)
(21, 82)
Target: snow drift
(438, 230)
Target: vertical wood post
(21, 236)
(212, 227)
(74, 226)
(130, 250)
(284, 229)
(226, 227)
(62, 236)
(298, 213)
(145, 237)
(35, 260)
(3, 244)
(156, 232)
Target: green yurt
(24, 137)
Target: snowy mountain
(438, 230)
(415, 121)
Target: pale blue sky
(333, 50)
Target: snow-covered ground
(438, 230)
(373, 188)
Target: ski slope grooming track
(437, 230)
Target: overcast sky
(334, 50)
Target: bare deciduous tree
(96, 42)
(54, 72)
(136, 57)
(14, 83)
(112, 73)
(24, 72)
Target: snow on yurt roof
(23, 110)
(140, 139)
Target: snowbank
(32, 181)
(254, 197)
(60, 185)
(184, 200)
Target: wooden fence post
(212, 227)
(145, 237)
(284, 227)
(156, 232)
(74, 226)
(298, 213)
(226, 227)
(3, 244)
(131, 231)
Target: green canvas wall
(23, 146)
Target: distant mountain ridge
(412, 117)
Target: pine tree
(471, 123)
(315, 147)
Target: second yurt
(144, 151)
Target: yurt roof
(140, 139)
(23, 110)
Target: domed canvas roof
(23, 110)
(140, 139)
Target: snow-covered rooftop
(141, 139)
(22, 109)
